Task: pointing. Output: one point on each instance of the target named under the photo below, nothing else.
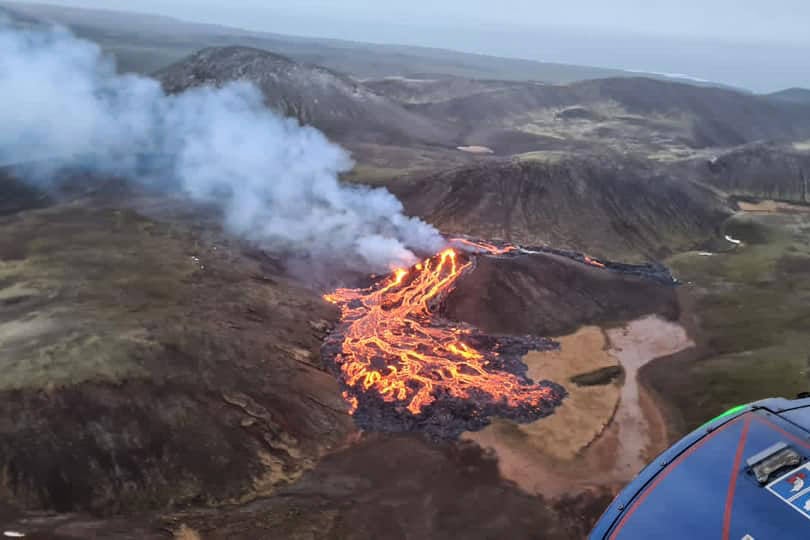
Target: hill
(339, 106)
(552, 294)
(767, 171)
(638, 115)
(425, 88)
(792, 95)
(608, 206)
(141, 368)
(629, 113)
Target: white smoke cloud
(276, 181)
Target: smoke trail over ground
(276, 181)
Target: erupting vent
(405, 367)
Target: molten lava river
(405, 367)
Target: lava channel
(404, 367)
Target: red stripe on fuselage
(735, 471)
(666, 472)
(789, 435)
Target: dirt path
(635, 345)
(582, 447)
(772, 207)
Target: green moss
(76, 303)
(753, 311)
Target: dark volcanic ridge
(654, 271)
(610, 206)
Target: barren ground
(605, 434)
(772, 207)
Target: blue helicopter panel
(744, 476)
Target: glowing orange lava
(394, 347)
(593, 262)
(480, 245)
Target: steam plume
(276, 181)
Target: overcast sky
(758, 44)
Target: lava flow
(397, 350)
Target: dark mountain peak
(792, 95)
(236, 52)
(335, 103)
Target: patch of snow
(706, 254)
(13, 534)
(405, 79)
(476, 149)
(670, 75)
(733, 240)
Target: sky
(756, 44)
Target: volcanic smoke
(275, 180)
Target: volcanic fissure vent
(404, 367)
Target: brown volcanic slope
(339, 106)
(552, 295)
(613, 208)
(395, 487)
(147, 364)
(18, 196)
